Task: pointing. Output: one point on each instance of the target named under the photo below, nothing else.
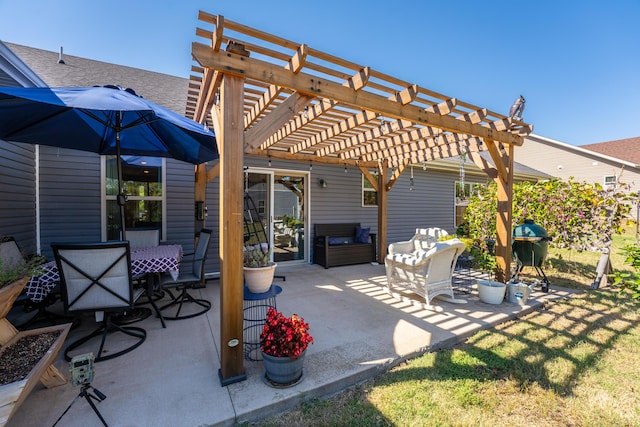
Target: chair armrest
(192, 256)
(401, 247)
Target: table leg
(152, 279)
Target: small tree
(576, 215)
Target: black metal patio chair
(96, 277)
(188, 278)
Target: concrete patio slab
(358, 328)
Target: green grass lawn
(574, 362)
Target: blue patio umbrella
(103, 120)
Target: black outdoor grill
(530, 247)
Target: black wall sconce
(322, 182)
(200, 211)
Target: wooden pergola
(271, 97)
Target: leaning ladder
(254, 229)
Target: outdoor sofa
(343, 244)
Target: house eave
(17, 70)
(584, 151)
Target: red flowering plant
(284, 336)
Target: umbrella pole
(121, 197)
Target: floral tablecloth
(156, 259)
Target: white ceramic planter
(491, 292)
(259, 279)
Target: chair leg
(180, 300)
(105, 328)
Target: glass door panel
(257, 210)
(289, 217)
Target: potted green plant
(258, 268)
(13, 278)
(283, 342)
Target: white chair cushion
(424, 243)
(413, 258)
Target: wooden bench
(335, 244)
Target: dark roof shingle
(624, 149)
(168, 91)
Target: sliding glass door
(275, 212)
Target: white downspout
(37, 165)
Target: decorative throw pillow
(362, 235)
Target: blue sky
(577, 63)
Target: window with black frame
(143, 187)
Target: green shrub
(576, 215)
(629, 281)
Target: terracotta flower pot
(259, 279)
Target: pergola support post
(504, 214)
(382, 212)
(231, 146)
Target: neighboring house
(605, 163)
(68, 194)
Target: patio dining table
(155, 259)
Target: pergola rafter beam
(313, 86)
(436, 153)
(356, 82)
(276, 119)
(301, 120)
(359, 140)
(385, 128)
(295, 65)
(413, 140)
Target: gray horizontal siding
(430, 204)
(69, 197)
(18, 194)
(180, 203)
